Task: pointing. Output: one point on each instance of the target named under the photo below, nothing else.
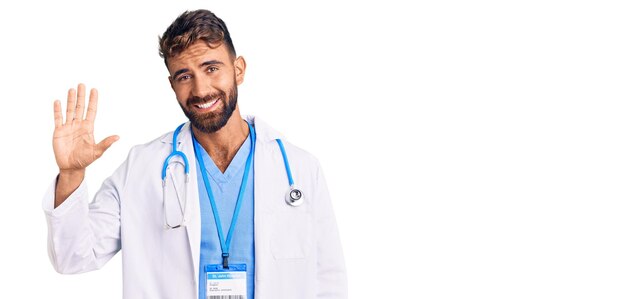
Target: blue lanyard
(225, 244)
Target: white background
(474, 149)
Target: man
(234, 228)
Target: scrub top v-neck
(225, 188)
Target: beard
(213, 121)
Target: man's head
(204, 69)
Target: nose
(201, 86)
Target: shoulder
(298, 157)
(300, 154)
(157, 143)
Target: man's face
(205, 81)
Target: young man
(222, 206)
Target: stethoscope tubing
(173, 154)
(294, 196)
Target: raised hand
(73, 140)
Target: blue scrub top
(225, 187)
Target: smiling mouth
(208, 104)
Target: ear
(240, 69)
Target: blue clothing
(225, 188)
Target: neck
(223, 144)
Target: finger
(93, 105)
(58, 116)
(80, 103)
(105, 144)
(71, 104)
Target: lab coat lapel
(193, 227)
(264, 168)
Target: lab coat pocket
(292, 235)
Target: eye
(182, 78)
(211, 69)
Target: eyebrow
(178, 72)
(210, 62)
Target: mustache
(193, 100)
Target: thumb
(105, 144)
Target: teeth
(207, 104)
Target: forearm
(82, 236)
(67, 182)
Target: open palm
(73, 140)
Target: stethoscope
(294, 196)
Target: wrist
(67, 182)
(71, 173)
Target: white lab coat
(298, 254)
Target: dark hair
(190, 27)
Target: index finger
(93, 105)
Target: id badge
(226, 283)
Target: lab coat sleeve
(83, 236)
(331, 270)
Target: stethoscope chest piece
(294, 197)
